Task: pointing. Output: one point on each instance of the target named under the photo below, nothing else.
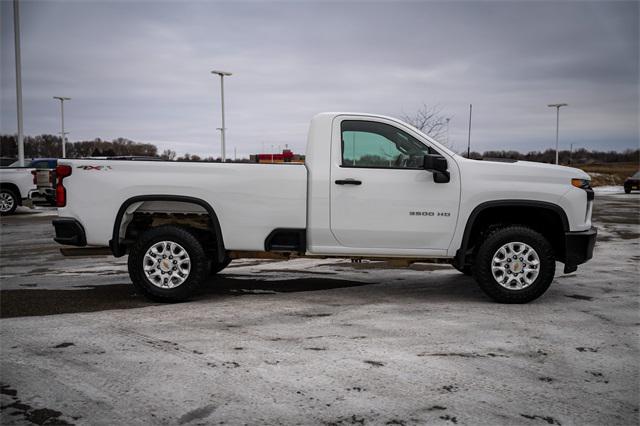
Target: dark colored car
(632, 182)
(6, 161)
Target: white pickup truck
(16, 187)
(372, 187)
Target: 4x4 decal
(95, 167)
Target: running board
(86, 251)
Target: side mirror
(435, 163)
(438, 165)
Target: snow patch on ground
(608, 189)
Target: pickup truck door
(381, 197)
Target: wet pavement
(317, 341)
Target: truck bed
(250, 200)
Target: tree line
(579, 156)
(49, 146)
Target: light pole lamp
(63, 134)
(557, 107)
(222, 74)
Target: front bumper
(69, 232)
(578, 248)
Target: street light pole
(448, 119)
(16, 39)
(570, 153)
(469, 138)
(62, 132)
(557, 107)
(223, 128)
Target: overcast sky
(141, 70)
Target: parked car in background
(632, 182)
(44, 177)
(16, 188)
(37, 163)
(6, 161)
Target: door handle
(348, 182)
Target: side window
(373, 144)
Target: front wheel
(8, 201)
(627, 190)
(167, 264)
(514, 265)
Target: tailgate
(44, 178)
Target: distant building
(287, 156)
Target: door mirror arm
(438, 165)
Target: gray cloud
(141, 70)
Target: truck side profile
(371, 187)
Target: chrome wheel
(515, 266)
(166, 264)
(6, 202)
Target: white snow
(609, 188)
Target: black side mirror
(438, 165)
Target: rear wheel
(8, 201)
(167, 264)
(514, 265)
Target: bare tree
(429, 120)
(168, 154)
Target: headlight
(581, 183)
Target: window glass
(372, 144)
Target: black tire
(197, 257)
(9, 196)
(484, 260)
(217, 267)
(627, 190)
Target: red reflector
(62, 172)
(35, 176)
(61, 196)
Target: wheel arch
(118, 249)
(13, 187)
(501, 210)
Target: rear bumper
(632, 184)
(578, 248)
(69, 232)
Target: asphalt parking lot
(318, 341)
